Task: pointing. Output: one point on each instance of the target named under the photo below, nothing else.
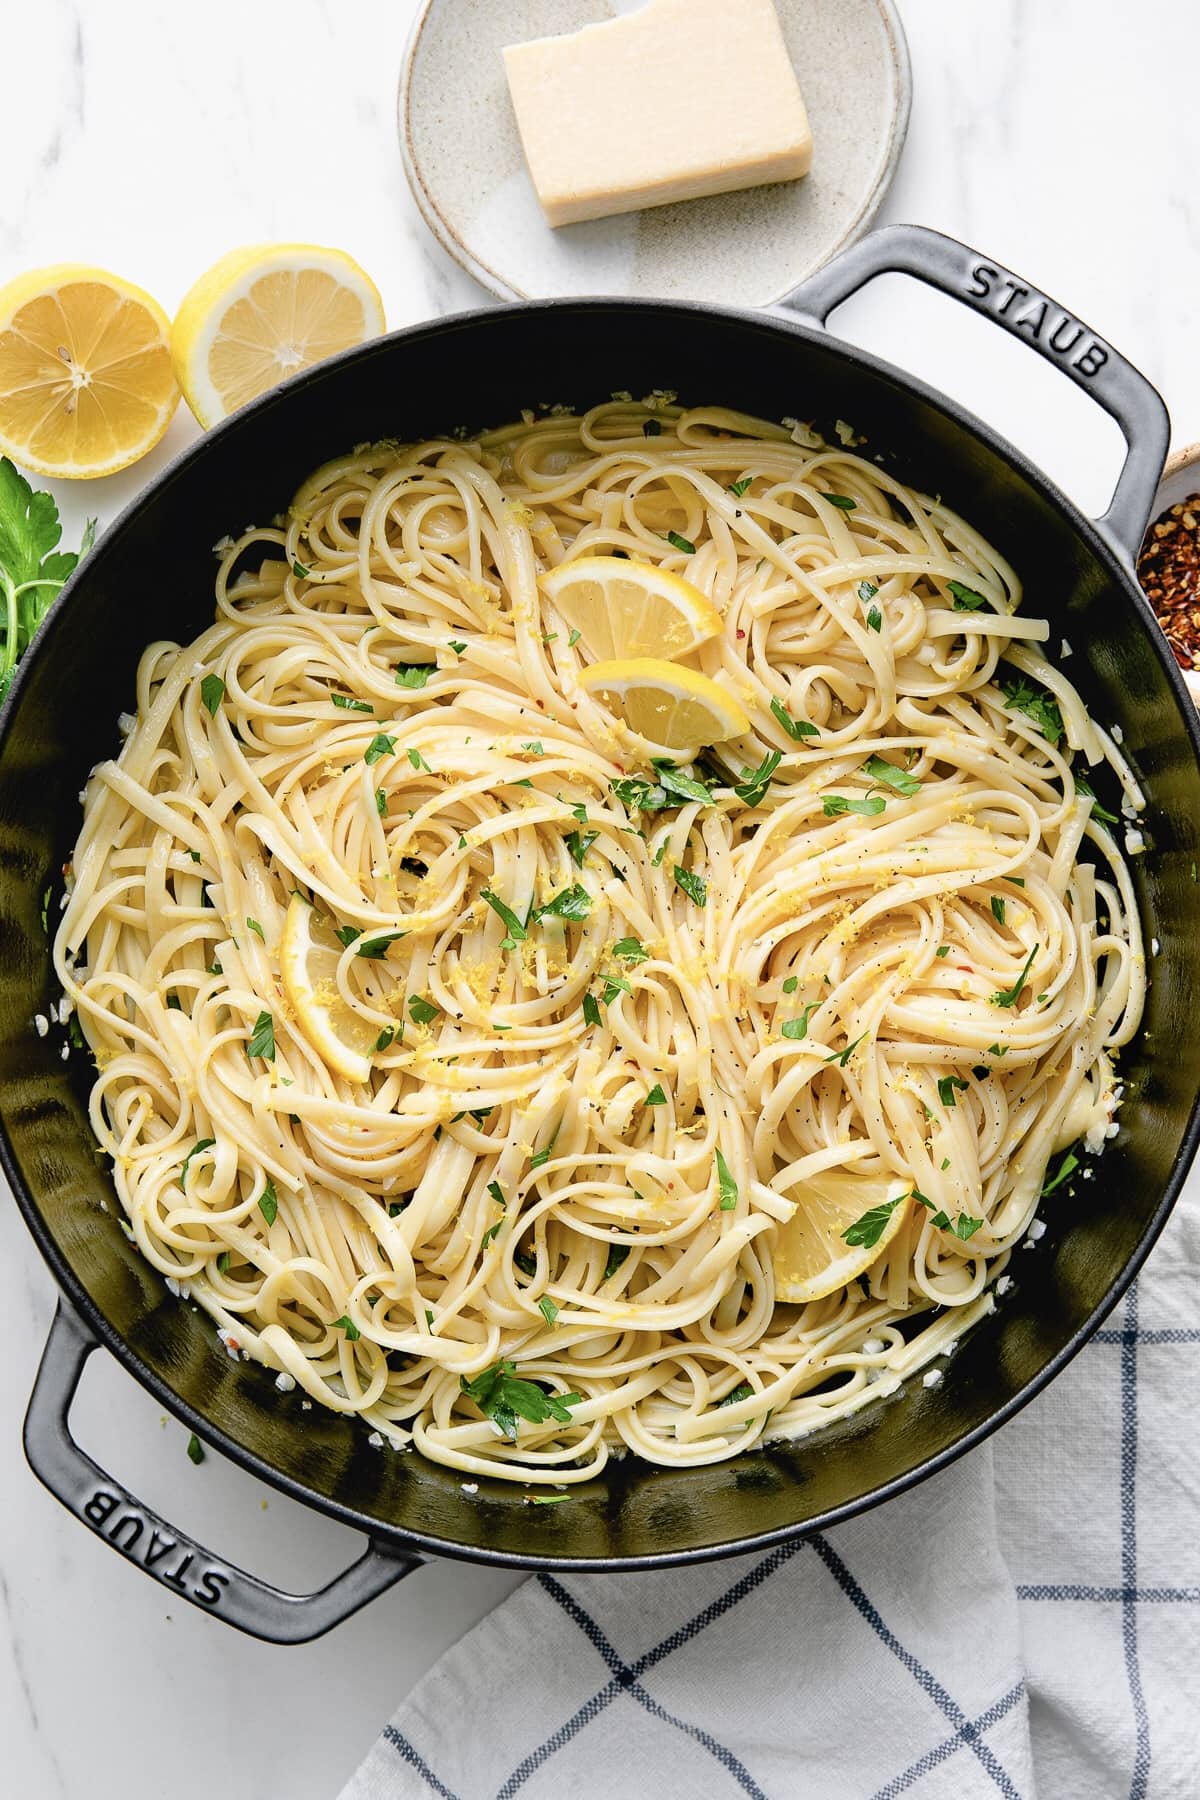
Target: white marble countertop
(1061, 140)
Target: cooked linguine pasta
(640, 1043)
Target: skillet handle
(1028, 314)
(179, 1562)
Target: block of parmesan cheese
(680, 99)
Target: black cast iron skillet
(150, 577)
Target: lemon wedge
(625, 608)
(86, 383)
(308, 960)
(265, 312)
(675, 708)
(812, 1258)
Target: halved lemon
(676, 708)
(812, 1258)
(308, 960)
(265, 312)
(625, 608)
(86, 383)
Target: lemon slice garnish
(622, 608)
(265, 312)
(86, 383)
(308, 961)
(812, 1258)
(671, 707)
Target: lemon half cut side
(623, 608)
(668, 705)
(265, 312)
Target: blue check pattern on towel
(1026, 1625)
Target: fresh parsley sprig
(32, 568)
(503, 1396)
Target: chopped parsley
(630, 950)
(614, 985)
(842, 500)
(212, 692)
(1064, 1171)
(791, 984)
(385, 1039)
(836, 804)
(943, 950)
(348, 1326)
(1083, 786)
(946, 1087)
(655, 1097)
(677, 541)
(1011, 995)
(299, 570)
(573, 639)
(638, 795)
(195, 1449)
(268, 1202)
(966, 599)
(965, 1226)
(875, 619)
(418, 761)
(380, 745)
(888, 773)
(679, 784)
(843, 1056)
(457, 645)
(755, 782)
(422, 1011)
(617, 1254)
(543, 1155)
(591, 1010)
(574, 902)
(516, 931)
(797, 1029)
(795, 728)
(997, 909)
(262, 1038)
(348, 703)
(867, 591)
(743, 1391)
(727, 1185)
(381, 803)
(693, 885)
(738, 488)
(375, 948)
(346, 934)
(254, 926)
(415, 675)
(547, 1309)
(867, 1230)
(503, 1397)
(197, 1147)
(1037, 705)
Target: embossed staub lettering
(1046, 323)
(119, 1519)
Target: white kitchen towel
(1025, 1624)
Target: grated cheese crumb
(931, 1378)
(41, 1024)
(285, 1382)
(469, 1487)
(1003, 1285)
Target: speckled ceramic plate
(466, 168)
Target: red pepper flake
(741, 634)
(1169, 571)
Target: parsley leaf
(386, 1038)
(728, 1186)
(1083, 786)
(693, 885)
(503, 1397)
(375, 948)
(591, 1010)
(638, 795)
(348, 703)
(516, 931)
(655, 1097)
(738, 488)
(421, 1011)
(547, 1309)
(843, 1056)
(348, 1326)
(195, 1449)
(346, 934)
(268, 1202)
(32, 569)
(1037, 705)
(677, 541)
(875, 619)
(679, 784)
(418, 761)
(836, 804)
(262, 1038)
(887, 772)
(946, 1087)
(212, 692)
(966, 599)
(415, 675)
(791, 983)
(797, 1029)
(1064, 1171)
(254, 926)
(842, 500)
(618, 1253)
(755, 782)
(197, 1147)
(867, 591)
(457, 646)
(867, 1230)
(579, 843)
(630, 950)
(299, 570)
(795, 728)
(614, 985)
(543, 1155)
(1013, 994)
(573, 903)
(380, 745)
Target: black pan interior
(150, 577)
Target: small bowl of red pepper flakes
(1168, 564)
